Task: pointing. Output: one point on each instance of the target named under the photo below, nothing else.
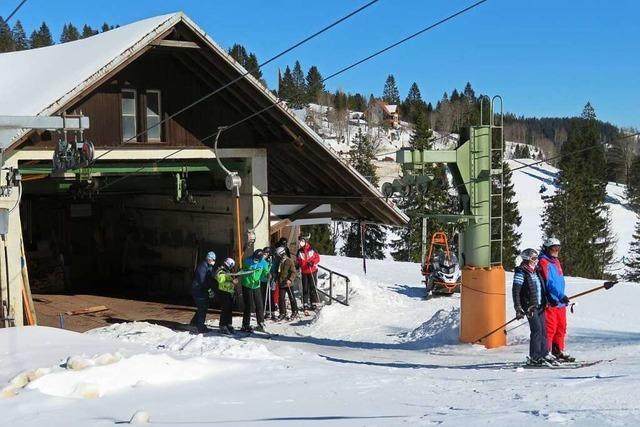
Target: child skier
(224, 295)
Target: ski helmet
(550, 241)
(211, 256)
(282, 242)
(258, 254)
(529, 254)
(267, 250)
(229, 263)
(280, 251)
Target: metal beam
(125, 168)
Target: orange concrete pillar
(482, 306)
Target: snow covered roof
(391, 108)
(33, 83)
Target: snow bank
(184, 343)
(442, 329)
(141, 369)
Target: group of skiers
(267, 273)
(539, 294)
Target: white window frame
(159, 92)
(135, 114)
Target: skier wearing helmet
(556, 311)
(529, 300)
(200, 285)
(285, 276)
(256, 267)
(225, 293)
(308, 260)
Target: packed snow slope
(389, 358)
(528, 183)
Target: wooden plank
(94, 309)
(27, 298)
(176, 44)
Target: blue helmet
(211, 256)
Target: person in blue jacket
(202, 282)
(556, 311)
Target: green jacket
(225, 281)
(257, 269)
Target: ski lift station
(109, 185)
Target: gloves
(564, 300)
(519, 313)
(531, 310)
(288, 283)
(210, 292)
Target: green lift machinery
(477, 169)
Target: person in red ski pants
(556, 312)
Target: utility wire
(247, 72)
(14, 11)
(323, 80)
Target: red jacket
(308, 259)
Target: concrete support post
(14, 255)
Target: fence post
(330, 287)
(346, 298)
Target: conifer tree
(20, 41)
(69, 33)
(285, 85)
(87, 31)
(511, 218)
(321, 239)
(576, 214)
(248, 60)
(632, 261)
(42, 37)
(314, 84)
(437, 200)
(362, 156)
(105, 27)
(390, 93)
(6, 38)
(413, 104)
(299, 89)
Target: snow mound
(161, 338)
(442, 329)
(93, 380)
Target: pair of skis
(563, 365)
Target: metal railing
(330, 295)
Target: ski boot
(550, 360)
(535, 362)
(247, 329)
(564, 357)
(231, 329)
(260, 327)
(224, 330)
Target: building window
(129, 102)
(153, 113)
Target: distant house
(381, 113)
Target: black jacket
(525, 291)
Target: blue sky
(546, 58)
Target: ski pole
(495, 330)
(606, 285)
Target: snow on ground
(389, 358)
(527, 185)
